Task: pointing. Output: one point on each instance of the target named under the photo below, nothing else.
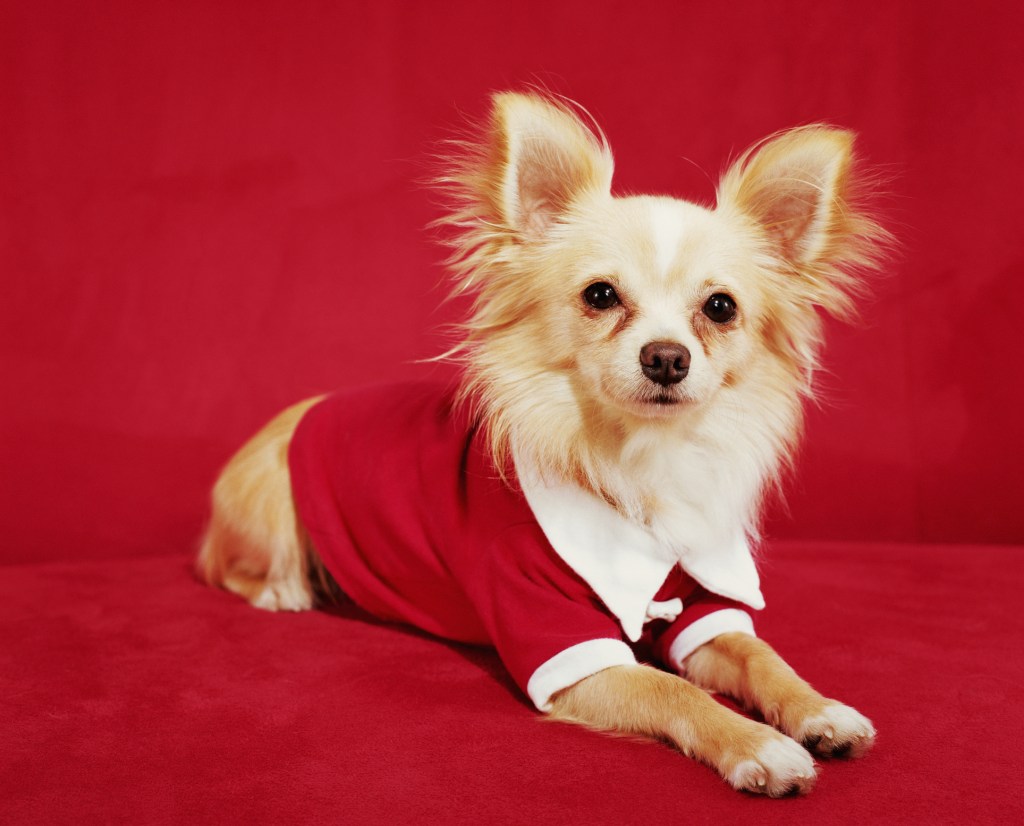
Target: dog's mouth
(661, 403)
(651, 401)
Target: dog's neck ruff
(623, 562)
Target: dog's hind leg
(255, 544)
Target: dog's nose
(665, 362)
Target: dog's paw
(776, 766)
(283, 596)
(837, 731)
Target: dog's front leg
(748, 670)
(640, 700)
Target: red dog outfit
(408, 513)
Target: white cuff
(706, 629)
(573, 664)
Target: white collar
(625, 563)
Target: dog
(633, 376)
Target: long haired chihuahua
(634, 373)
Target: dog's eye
(720, 308)
(601, 296)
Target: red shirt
(408, 513)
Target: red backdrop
(210, 209)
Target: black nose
(665, 362)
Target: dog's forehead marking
(671, 223)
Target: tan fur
(255, 545)
(559, 381)
(644, 701)
(747, 669)
(751, 756)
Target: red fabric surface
(132, 694)
(209, 210)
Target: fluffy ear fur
(800, 188)
(794, 188)
(537, 157)
(547, 158)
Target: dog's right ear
(540, 157)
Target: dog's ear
(541, 157)
(808, 195)
(795, 185)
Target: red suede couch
(209, 210)
(132, 694)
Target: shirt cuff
(573, 664)
(706, 629)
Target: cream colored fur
(560, 381)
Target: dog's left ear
(796, 187)
(542, 157)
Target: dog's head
(604, 313)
